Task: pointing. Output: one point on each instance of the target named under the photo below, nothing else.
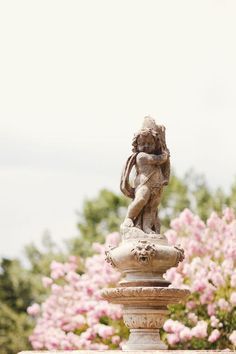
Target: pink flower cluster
(74, 316)
(209, 272)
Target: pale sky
(76, 80)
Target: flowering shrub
(74, 316)
(208, 320)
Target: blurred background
(77, 78)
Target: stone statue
(151, 161)
(144, 255)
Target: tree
(100, 216)
(15, 328)
(16, 294)
(104, 213)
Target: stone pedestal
(143, 292)
(144, 313)
(144, 339)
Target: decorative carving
(144, 252)
(109, 259)
(144, 292)
(147, 319)
(146, 297)
(180, 255)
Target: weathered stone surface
(144, 255)
(151, 160)
(144, 312)
(146, 297)
(144, 259)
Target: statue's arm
(153, 159)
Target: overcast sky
(76, 80)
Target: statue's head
(145, 140)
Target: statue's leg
(157, 223)
(148, 220)
(142, 196)
(151, 222)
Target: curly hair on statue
(146, 132)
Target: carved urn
(144, 258)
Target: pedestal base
(144, 313)
(144, 339)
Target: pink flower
(206, 297)
(232, 338)
(215, 334)
(97, 247)
(33, 310)
(228, 215)
(233, 299)
(73, 259)
(173, 326)
(171, 236)
(115, 339)
(47, 281)
(214, 321)
(172, 339)
(223, 304)
(187, 217)
(211, 309)
(113, 239)
(185, 334)
(104, 331)
(56, 289)
(191, 305)
(57, 266)
(200, 330)
(199, 285)
(72, 277)
(218, 279)
(36, 344)
(192, 317)
(169, 326)
(233, 281)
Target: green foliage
(203, 199)
(16, 294)
(40, 257)
(15, 290)
(15, 327)
(104, 213)
(100, 216)
(19, 287)
(175, 198)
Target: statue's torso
(148, 174)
